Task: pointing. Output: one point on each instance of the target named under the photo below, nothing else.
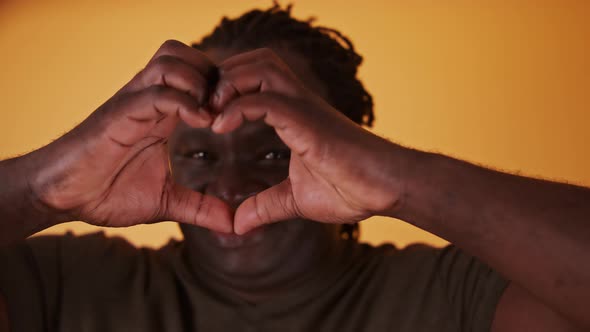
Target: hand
(113, 169)
(338, 171)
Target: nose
(234, 184)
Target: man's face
(233, 167)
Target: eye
(198, 155)
(277, 155)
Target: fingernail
(217, 122)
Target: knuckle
(170, 65)
(164, 60)
(155, 70)
(171, 45)
(156, 91)
(163, 63)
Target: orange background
(505, 84)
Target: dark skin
(112, 170)
(233, 167)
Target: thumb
(271, 205)
(190, 207)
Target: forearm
(534, 232)
(21, 214)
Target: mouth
(234, 241)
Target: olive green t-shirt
(95, 283)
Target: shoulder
(443, 260)
(415, 256)
(389, 269)
(96, 254)
(440, 286)
(74, 250)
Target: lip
(234, 241)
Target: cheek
(191, 176)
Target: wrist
(33, 165)
(20, 203)
(405, 166)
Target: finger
(226, 66)
(192, 66)
(188, 54)
(271, 205)
(293, 121)
(257, 71)
(249, 57)
(151, 112)
(246, 57)
(190, 207)
(171, 71)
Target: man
(253, 144)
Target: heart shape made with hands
(259, 85)
(116, 169)
(331, 156)
(327, 149)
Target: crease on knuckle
(157, 91)
(159, 67)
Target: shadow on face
(233, 167)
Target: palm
(113, 168)
(134, 192)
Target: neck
(317, 255)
